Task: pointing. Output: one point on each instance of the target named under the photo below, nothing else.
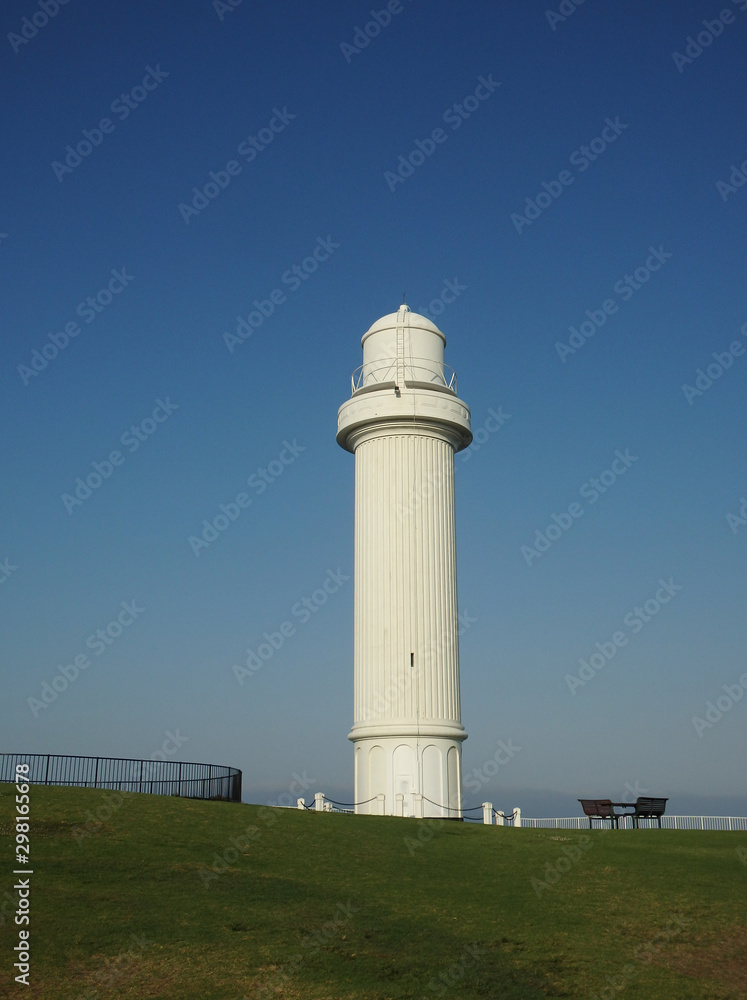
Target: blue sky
(582, 174)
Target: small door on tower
(403, 762)
(404, 786)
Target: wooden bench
(649, 808)
(599, 809)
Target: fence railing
(516, 819)
(156, 777)
(667, 823)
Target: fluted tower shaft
(404, 424)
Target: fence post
(517, 817)
(487, 813)
(300, 803)
(399, 804)
(499, 818)
(380, 803)
(417, 803)
(319, 801)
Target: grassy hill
(166, 897)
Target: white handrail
(415, 369)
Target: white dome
(410, 319)
(409, 337)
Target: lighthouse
(404, 422)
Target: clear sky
(205, 206)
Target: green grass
(334, 906)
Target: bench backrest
(650, 807)
(597, 807)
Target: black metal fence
(157, 777)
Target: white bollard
(380, 803)
(300, 803)
(517, 817)
(319, 802)
(499, 818)
(399, 807)
(417, 805)
(487, 813)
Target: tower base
(408, 775)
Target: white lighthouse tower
(404, 422)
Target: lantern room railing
(375, 374)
